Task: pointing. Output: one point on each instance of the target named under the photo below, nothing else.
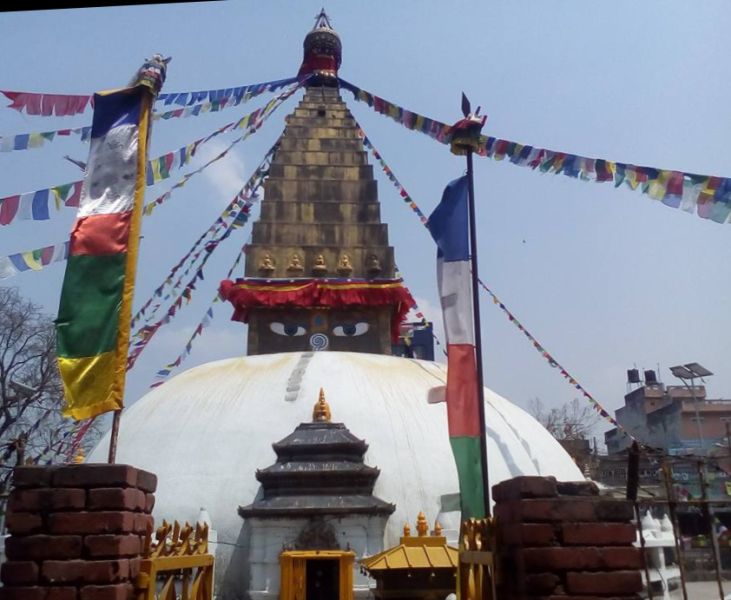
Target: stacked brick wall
(562, 541)
(76, 532)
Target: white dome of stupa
(206, 431)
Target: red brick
(47, 499)
(614, 510)
(606, 583)
(577, 488)
(621, 558)
(116, 499)
(143, 522)
(21, 523)
(527, 534)
(149, 502)
(41, 547)
(32, 476)
(23, 593)
(525, 487)
(19, 572)
(146, 481)
(598, 534)
(541, 583)
(95, 476)
(121, 591)
(134, 567)
(62, 593)
(561, 559)
(92, 522)
(546, 510)
(113, 545)
(85, 571)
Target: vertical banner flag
(449, 227)
(96, 300)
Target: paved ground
(701, 590)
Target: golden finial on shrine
(437, 529)
(422, 527)
(407, 530)
(321, 412)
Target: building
(324, 310)
(678, 421)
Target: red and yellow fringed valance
(246, 294)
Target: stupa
(322, 303)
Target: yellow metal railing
(477, 560)
(176, 565)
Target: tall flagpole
(465, 137)
(478, 333)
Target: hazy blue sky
(605, 278)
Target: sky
(606, 279)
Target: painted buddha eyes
(345, 330)
(289, 329)
(351, 329)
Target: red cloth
(246, 294)
(318, 62)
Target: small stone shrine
(315, 514)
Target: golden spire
(407, 530)
(79, 458)
(437, 528)
(422, 527)
(321, 412)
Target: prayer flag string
(35, 206)
(189, 259)
(536, 344)
(34, 260)
(707, 195)
(163, 374)
(63, 105)
(29, 141)
(145, 333)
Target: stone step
(299, 131)
(320, 144)
(278, 189)
(319, 121)
(320, 212)
(328, 234)
(319, 94)
(330, 112)
(350, 173)
(297, 157)
(281, 256)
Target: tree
(571, 421)
(32, 428)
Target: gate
(176, 565)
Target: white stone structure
(206, 431)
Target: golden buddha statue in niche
(373, 265)
(345, 268)
(295, 264)
(266, 266)
(320, 267)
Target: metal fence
(683, 519)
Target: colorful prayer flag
(448, 225)
(96, 300)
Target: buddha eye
(351, 329)
(288, 329)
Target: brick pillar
(560, 541)
(76, 532)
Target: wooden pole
(113, 437)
